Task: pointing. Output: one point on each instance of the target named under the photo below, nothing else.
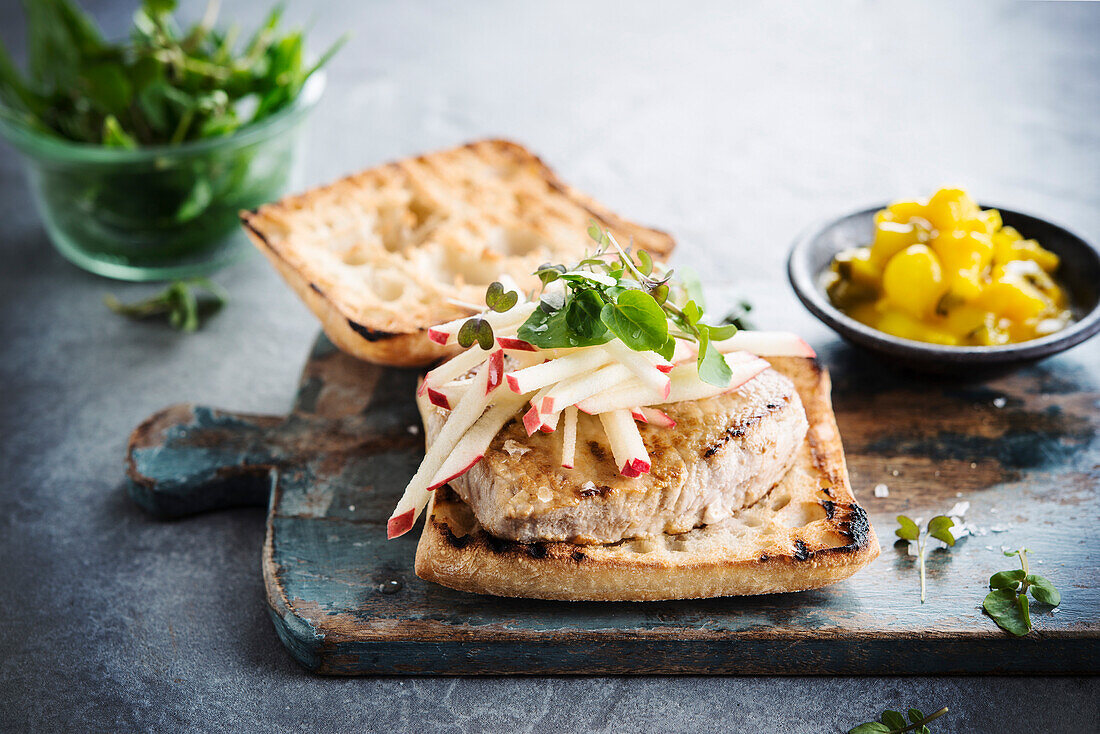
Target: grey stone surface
(733, 127)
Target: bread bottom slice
(805, 533)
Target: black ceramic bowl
(1079, 272)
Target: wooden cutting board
(1023, 450)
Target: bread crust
(807, 532)
(342, 246)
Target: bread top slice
(384, 254)
(808, 531)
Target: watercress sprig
(163, 85)
(615, 293)
(939, 527)
(893, 722)
(185, 310)
(1007, 600)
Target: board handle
(187, 459)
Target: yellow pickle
(946, 271)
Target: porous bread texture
(807, 532)
(384, 254)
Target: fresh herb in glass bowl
(141, 152)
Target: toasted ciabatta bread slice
(807, 532)
(382, 255)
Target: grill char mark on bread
(754, 552)
(723, 454)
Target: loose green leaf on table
(1007, 602)
(893, 722)
(184, 309)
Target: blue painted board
(1023, 449)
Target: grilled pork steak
(724, 454)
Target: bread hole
(677, 546)
(389, 289)
(801, 514)
(752, 521)
(355, 257)
(642, 546)
(464, 269)
(517, 242)
(780, 501)
(393, 226)
(421, 211)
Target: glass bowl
(160, 212)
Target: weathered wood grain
(1022, 449)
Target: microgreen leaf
(892, 722)
(645, 262)
(497, 300)
(1043, 590)
(1007, 604)
(723, 332)
(871, 727)
(713, 368)
(1007, 579)
(636, 319)
(178, 301)
(477, 330)
(908, 529)
(893, 719)
(693, 286)
(692, 312)
(939, 527)
(1000, 604)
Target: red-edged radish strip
(447, 333)
(656, 417)
(514, 343)
(550, 422)
(454, 368)
(569, 437)
(638, 415)
(767, 344)
(569, 392)
(447, 396)
(471, 447)
(638, 363)
(532, 420)
(626, 443)
(556, 370)
(495, 367)
(686, 384)
(416, 494)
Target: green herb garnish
(893, 722)
(185, 309)
(614, 293)
(939, 527)
(163, 86)
(1007, 601)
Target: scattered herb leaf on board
(179, 302)
(939, 527)
(162, 86)
(1007, 602)
(893, 722)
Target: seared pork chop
(724, 454)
